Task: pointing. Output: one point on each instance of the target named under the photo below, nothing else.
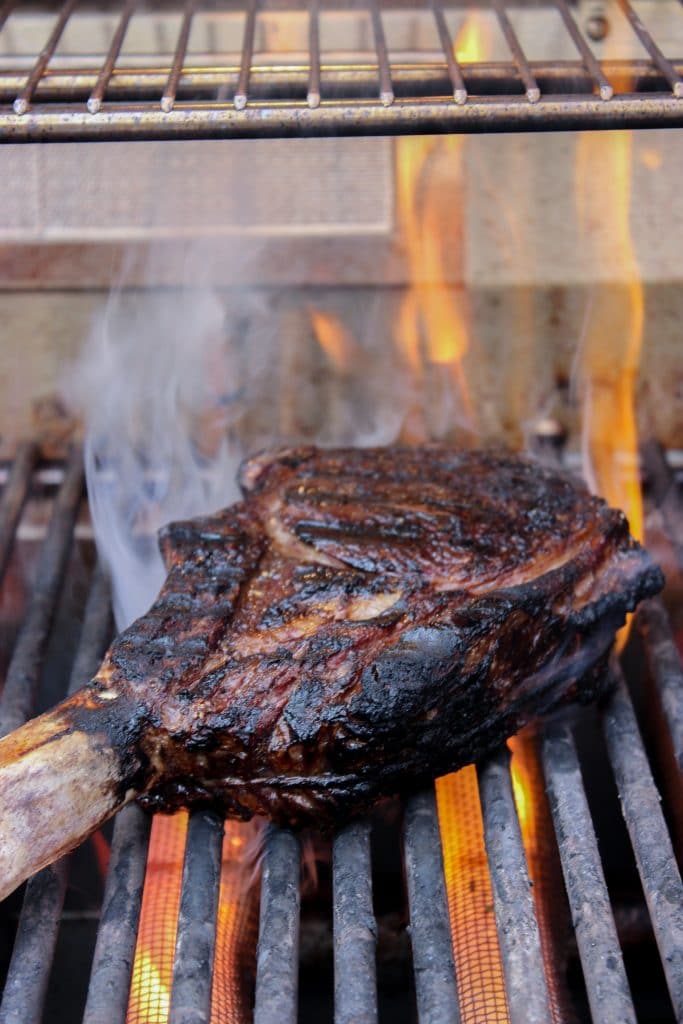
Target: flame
(150, 992)
(334, 339)
(609, 358)
(432, 328)
(473, 41)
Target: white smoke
(154, 365)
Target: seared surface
(364, 621)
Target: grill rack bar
(196, 940)
(277, 966)
(268, 99)
(168, 99)
(34, 946)
(518, 934)
(596, 934)
(355, 928)
(665, 669)
(13, 499)
(454, 70)
(658, 58)
(533, 93)
(110, 978)
(430, 930)
(104, 77)
(640, 804)
(19, 695)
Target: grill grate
(245, 90)
(354, 921)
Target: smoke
(153, 387)
(175, 386)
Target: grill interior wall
(314, 224)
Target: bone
(58, 783)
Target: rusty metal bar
(23, 675)
(596, 935)
(662, 62)
(313, 95)
(430, 929)
(5, 12)
(97, 95)
(23, 100)
(281, 120)
(168, 99)
(665, 667)
(386, 89)
(590, 63)
(513, 903)
(13, 498)
(277, 959)
(355, 928)
(117, 934)
(533, 93)
(640, 805)
(454, 72)
(240, 98)
(196, 939)
(34, 945)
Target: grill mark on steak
(363, 621)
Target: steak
(362, 622)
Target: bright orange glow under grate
(481, 986)
(150, 994)
(481, 989)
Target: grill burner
(298, 92)
(354, 921)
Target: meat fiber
(363, 621)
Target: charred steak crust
(364, 621)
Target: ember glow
(150, 993)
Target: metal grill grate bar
(29, 970)
(430, 930)
(196, 940)
(112, 965)
(355, 928)
(97, 95)
(454, 70)
(281, 95)
(23, 100)
(640, 804)
(533, 93)
(595, 71)
(665, 667)
(664, 65)
(13, 499)
(240, 99)
(23, 675)
(518, 935)
(168, 99)
(277, 963)
(386, 88)
(603, 968)
(313, 94)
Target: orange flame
(432, 328)
(150, 992)
(334, 339)
(609, 359)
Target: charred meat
(363, 621)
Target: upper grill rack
(361, 75)
(354, 922)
